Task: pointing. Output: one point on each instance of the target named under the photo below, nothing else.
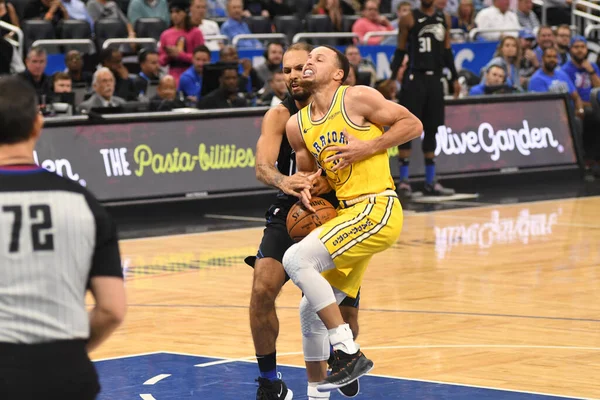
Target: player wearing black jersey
(276, 166)
(424, 36)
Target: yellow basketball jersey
(369, 176)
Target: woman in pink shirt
(177, 44)
(371, 21)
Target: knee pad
(315, 337)
(309, 253)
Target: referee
(56, 242)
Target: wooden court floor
(501, 296)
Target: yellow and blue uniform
(370, 217)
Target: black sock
(267, 365)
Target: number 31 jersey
(426, 42)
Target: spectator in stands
(545, 39)
(332, 9)
(550, 79)
(198, 10)
(108, 9)
(74, 63)
(277, 90)
(365, 67)
(497, 16)
(403, 8)
(526, 16)
(493, 82)
(465, 18)
(78, 11)
(226, 96)
(178, 43)
(124, 87)
(190, 83)
(563, 38)
(166, 96)
(352, 75)
(103, 83)
(35, 64)
(149, 71)
(236, 26)
(249, 81)
(9, 15)
(61, 83)
(148, 9)
(508, 56)
(371, 21)
(274, 57)
(48, 10)
(529, 61)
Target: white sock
(314, 394)
(341, 339)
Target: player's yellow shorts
(355, 235)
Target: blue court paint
(124, 379)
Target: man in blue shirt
(236, 26)
(584, 75)
(190, 83)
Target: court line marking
(147, 397)
(157, 378)
(416, 214)
(235, 217)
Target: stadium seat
(288, 25)
(75, 29)
(259, 24)
(150, 27)
(348, 21)
(109, 29)
(37, 29)
(320, 23)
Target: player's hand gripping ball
(300, 222)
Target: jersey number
(424, 45)
(41, 221)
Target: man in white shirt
(498, 16)
(198, 10)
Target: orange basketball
(300, 222)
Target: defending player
(425, 34)
(276, 166)
(342, 128)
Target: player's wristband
(397, 62)
(449, 63)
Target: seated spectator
(508, 56)
(103, 83)
(148, 9)
(465, 18)
(545, 39)
(166, 96)
(493, 82)
(35, 64)
(332, 9)
(402, 9)
(49, 10)
(529, 61)
(550, 79)
(149, 71)
(227, 95)
(364, 66)
(249, 81)
(190, 83)
(352, 76)
(178, 43)
(61, 84)
(108, 9)
(9, 15)
(274, 57)
(198, 10)
(124, 87)
(526, 16)
(74, 63)
(563, 38)
(78, 11)
(277, 90)
(236, 26)
(217, 8)
(371, 21)
(497, 16)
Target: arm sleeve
(106, 260)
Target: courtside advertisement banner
(137, 160)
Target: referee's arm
(106, 280)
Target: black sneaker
(345, 369)
(351, 389)
(404, 190)
(273, 390)
(437, 190)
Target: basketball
(300, 222)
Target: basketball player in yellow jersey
(341, 131)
